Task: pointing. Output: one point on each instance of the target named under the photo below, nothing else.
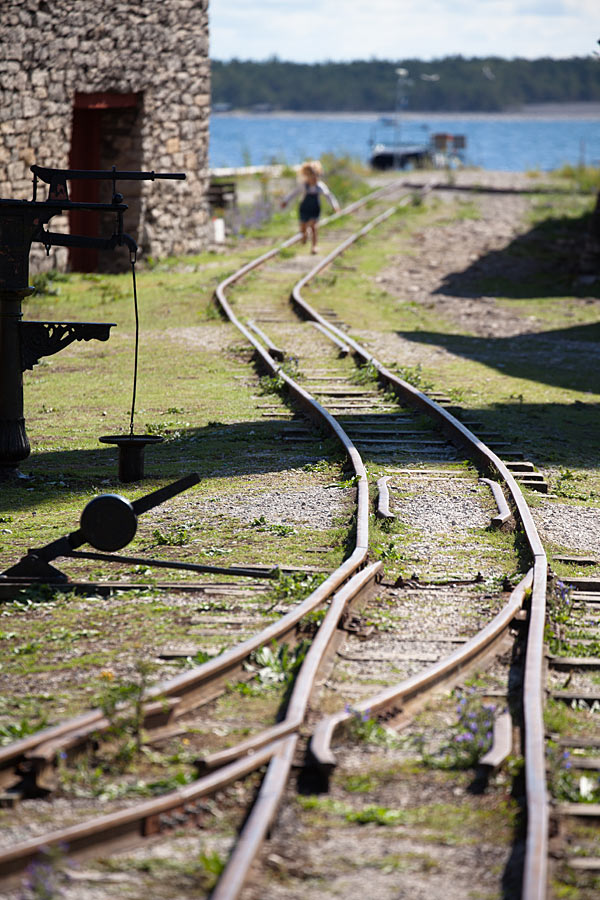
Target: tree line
(454, 83)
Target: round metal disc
(108, 522)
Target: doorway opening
(106, 131)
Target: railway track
(571, 683)
(323, 378)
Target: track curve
(276, 746)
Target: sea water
(509, 142)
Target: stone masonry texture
(155, 49)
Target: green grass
(561, 719)
(542, 386)
(577, 178)
(460, 824)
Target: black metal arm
(35, 565)
(51, 175)
(55, 239)
(57, 179)
(58, 198)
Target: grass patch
(462, 824)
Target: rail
(536, 858)
(276, 746)
(190, 689)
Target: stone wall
(156, 49)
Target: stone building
(88, 85)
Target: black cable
(137, 335)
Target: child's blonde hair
(311, 167)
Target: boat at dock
(400, 156)
(387, 151)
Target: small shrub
(414, 375)
(321, 465)
(559, 609)
(584, 178)
(14, 731)
(122, 703)
(176, 537)
(359, 784)
(568, 485)
(388, 526)
(274, 667)
(346, 482)
(310, 623)
(471, 734)
(295, 586)
(200, 657)
(566, 784)
(365, 374)
(45, 876)
(388, 552)
(270, 384)
(377, 815)
(261, 524)
(213, 866)
(163, 430)
(44, 283)
(367, 730)
(216, 551)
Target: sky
(319, 30)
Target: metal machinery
(23, 344)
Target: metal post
(16, 232)
(14, 445)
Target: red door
(86, 153)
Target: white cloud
(315, 30)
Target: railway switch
(108, 523)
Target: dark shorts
(310, 208)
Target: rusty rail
(192, 688)
(305, 680)
(536, 857)
(395, 700)
(128, 826)
(144, 820)
(255, 830)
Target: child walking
(310, 207)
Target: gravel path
(576, 528)
(317, 507)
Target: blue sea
(508, 142)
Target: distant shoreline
(590, 110)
